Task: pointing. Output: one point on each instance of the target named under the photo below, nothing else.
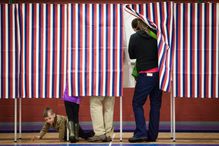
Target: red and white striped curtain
(43, 62)
(161, 14)
(95, 45)
(196, 60)
(8, 52)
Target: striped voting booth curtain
(95, 45)
(43, 31)
(159, 15)
(8, 52)
(196, 64)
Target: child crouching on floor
(58, 122)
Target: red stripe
(48, 53)
(74, 47)
(81, 47)
(55, 59)
(179, 55)
(10, 41)
(101, 50)
(27, 51)
(207, 49)
(42, 61)
(89, 50)
(109, 52)
(63, 57)
(200, 49)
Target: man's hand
(35, 137)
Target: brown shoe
(107, 139)
(97, 138)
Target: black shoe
(107, 139)
(151, 140)
(137, 139)
(71, 126)
(85, 134)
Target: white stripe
(44, 50)
(104, 50)
(209, 80)
(151, 12)
(158, 15)
(30, 50)
(174, 54)
(13, 54)
(90, 50)
(144, 10)
(195, 51)
(165, 23)
(181, 50)
(188, 48)
(171, 24)
(37, 50)
(76, 50)
(23, 52)
(6, 47)
(51, 50)
(65, 44)
(83, 51)
(137, 8)
(57, 41)
(97, 50)
(69, 48)
(118, 49)
(111, 51)
(217, 48)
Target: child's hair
(46, 111)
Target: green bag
(135, 72)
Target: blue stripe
(46, 60)
(191, 51)
(16, 55)
(53, 50)
(114, 49)
(205, 54)
(120, 60)
(93, 56)
(213, 48)
(107, 86)
(100, 45)
(198, 51)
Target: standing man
(102, 109)
(143, 48)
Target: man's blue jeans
(147, 85)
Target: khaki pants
(102, 109)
